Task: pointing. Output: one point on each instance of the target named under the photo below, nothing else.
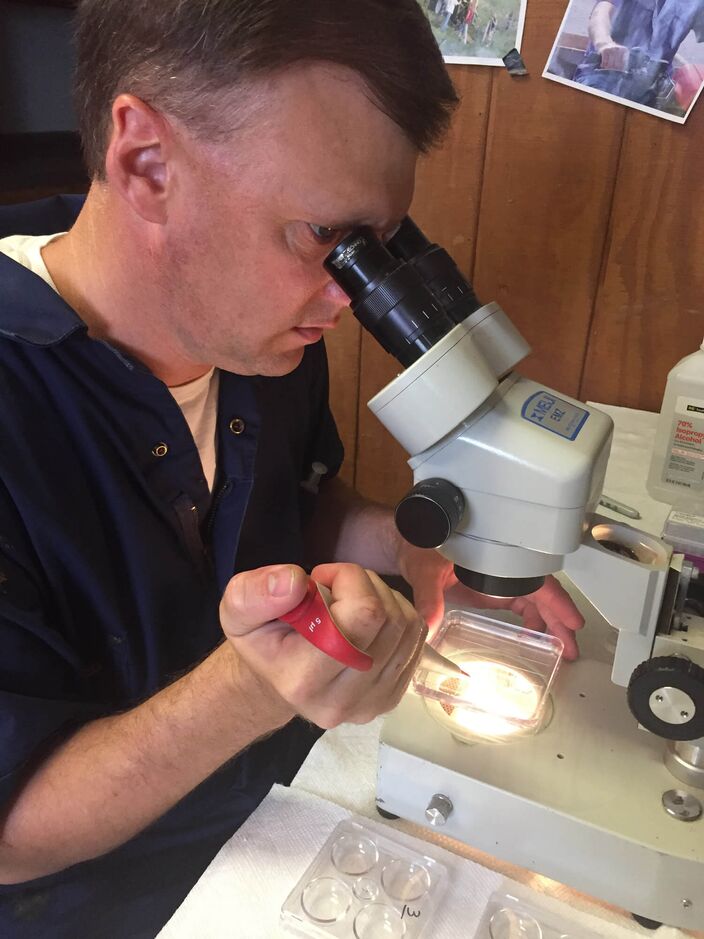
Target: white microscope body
(509, 473)
(527, 462)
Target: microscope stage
(580, 802)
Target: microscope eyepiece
(451, 290)
(360, 262)
(387, 296)
(408, 241)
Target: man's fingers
(556, 605)
(369, 612)
(408, 671)
(253, 598)
(615, 57)
(571, 649)
(359, 601)
(373, 616)
(408, 652)
(429, 600)
(551, 608)
(396, 641)
(542, 620)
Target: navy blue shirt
(113, 557)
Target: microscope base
(580, 802)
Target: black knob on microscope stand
(430, 512)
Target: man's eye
(324, 235)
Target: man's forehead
(324, 143)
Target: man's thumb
(253, 598)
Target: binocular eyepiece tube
(408, 293)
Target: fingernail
(280, 583)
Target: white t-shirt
(27, 251)
(197, 399)
(199, 402)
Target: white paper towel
(342, 767)
(240, 895)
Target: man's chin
(270, 366)
(282, 364)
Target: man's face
(251, 221)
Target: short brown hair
(179, 55)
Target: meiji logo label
(541, 408)
(554, 414)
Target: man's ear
(137, 162)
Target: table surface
(341, 768)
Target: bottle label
(685, 518)
(684, 466)
(548, 411)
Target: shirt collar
(30, 311)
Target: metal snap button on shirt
(237, 426)
(160, 449)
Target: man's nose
(335, 294)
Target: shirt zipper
(187, 514)
(214, 505)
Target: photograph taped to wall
(646, 54)
(476, 32)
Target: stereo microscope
(507, 474)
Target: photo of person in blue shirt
(647, 52)
(634, 44)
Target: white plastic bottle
(677, 467)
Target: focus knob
(666, 695)
(430, 512)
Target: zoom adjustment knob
(430, 512)
(666, 695)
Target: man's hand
(548, 609)
(377, 619)
(613, 55)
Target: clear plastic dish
(363, 884)
(510, 671)
(508, 917)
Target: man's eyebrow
(325, 220)
(359, 222)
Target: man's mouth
(315, 333)
(309, 334)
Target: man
(161, 372)
(469, 19)
(633, 45)
(489, 31)
(450, 6)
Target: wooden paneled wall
(582, 218)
